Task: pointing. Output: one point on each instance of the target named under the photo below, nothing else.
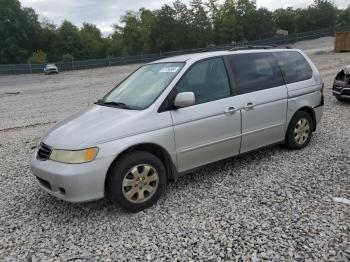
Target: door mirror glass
(184, 99)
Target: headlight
(74, 156)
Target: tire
(339, 98)
(299, 131)
(135, 176)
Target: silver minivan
(174, 115)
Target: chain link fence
(144, 58)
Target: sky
(105, 13)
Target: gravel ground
(274, 204)
(315, 45)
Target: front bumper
(341, 89)
(343, 93)
(51, 71)
(72, 182)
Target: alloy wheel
(140, 183)
(302, 131)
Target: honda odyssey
(174, 115)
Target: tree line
(201, 23)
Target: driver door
(210, 130)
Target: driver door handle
(249, 106)
(230, 110)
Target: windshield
(143, 87)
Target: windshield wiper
(117, 104)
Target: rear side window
(255, 71)
(294, 66)
(207, 80)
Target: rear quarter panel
(305, 93)
(310, 100)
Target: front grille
(346, 92)
(337, 88)
(44, 152)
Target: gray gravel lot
(274, 204)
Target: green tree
(116, 46)
(137, 30)
(173, 27)
(132, 34)
(213, 9)
(92, 44)
(323, 14)
(47, 39)
(302, 20)
(285, 19)
(183, 31)
(343, 18)
(147, 22)
(164, 33)
(201, 26)
(244, 6)
(227, 24)
(68, 40)
(19, 30)
(258, 24)
(38, 57)
(67, 58)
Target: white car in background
(50, 69)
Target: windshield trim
(102, 100)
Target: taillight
(322, 88)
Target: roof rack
(242, 47)
(247, 47)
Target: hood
(92, 126)
(347, 70)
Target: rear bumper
(319, 111)
(72, 182)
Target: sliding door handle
(249, 106)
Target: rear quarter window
(294, 66)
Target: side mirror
(184, 99)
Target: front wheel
(299, 130)
(136, 181)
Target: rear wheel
(299, 131)
(136, 181)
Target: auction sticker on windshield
(172, 69)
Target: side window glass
(294, 66)
(207, 80)
(255, 71)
